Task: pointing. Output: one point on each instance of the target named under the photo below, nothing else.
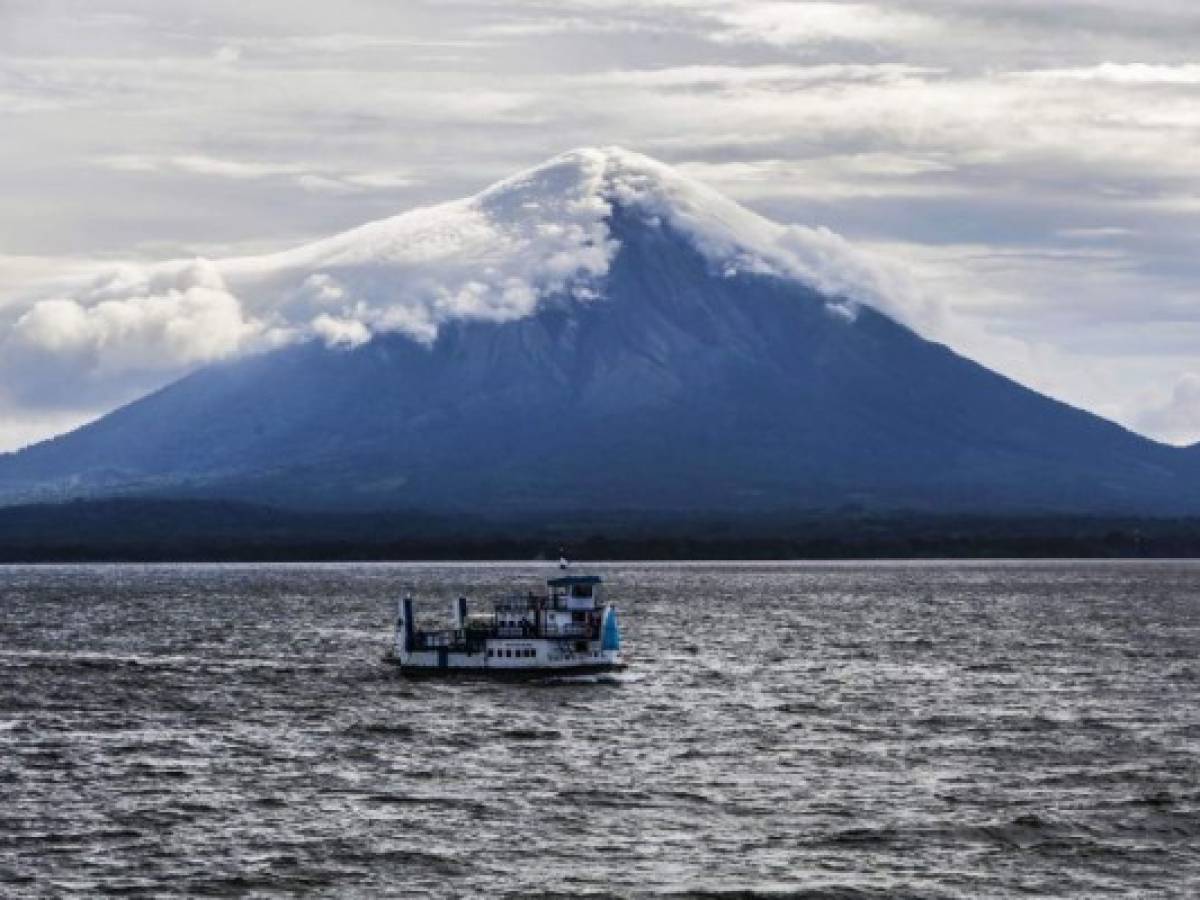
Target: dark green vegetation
(142, 530)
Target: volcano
(599, 334)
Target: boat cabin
(575, 592)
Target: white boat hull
(531, 657)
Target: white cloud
(725, 77)
(229, 168)
(385, 180)
(1176, 417)
(827, 178)
(22, 427)
(25, 276)
(547, 25)
(309, 176)
(787, 24)
(13, 103)
(736, 239)
(1005, 125)
(335, 332)
(490, 257)
(134, 319)
(1123, 73)
(1099, 232)
(344, 42)
(227, 55)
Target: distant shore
(141, 530)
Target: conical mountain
(600, 334)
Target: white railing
(566, 630)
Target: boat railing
(523, 630)
(515, 602)
(527, 630)
(567, 631)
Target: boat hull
(504, 673)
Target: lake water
(838, 730)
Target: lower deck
(512, 655)
(508, 673)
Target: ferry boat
(568, 630)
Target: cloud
(1122, 73)
(348, 333)
(136, 320)
(826, 178)
(1176, 417)
(308, 176)
(13, 103)
(989, 135)
(778, 75)
(491, 257)
(344, 42)
(22, 427)
(736, 239)
(546, 25)
(227, 55)
(1099, 232)
(229, 168)
(790, 24)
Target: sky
(1035, 167)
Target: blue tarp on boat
(610, 637)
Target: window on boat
(581, 590)
(489, 651)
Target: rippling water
(923, 730)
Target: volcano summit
(600, 334)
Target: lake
(795, 729)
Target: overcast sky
(1035, 165)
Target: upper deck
(567, 592)
(575, 591)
